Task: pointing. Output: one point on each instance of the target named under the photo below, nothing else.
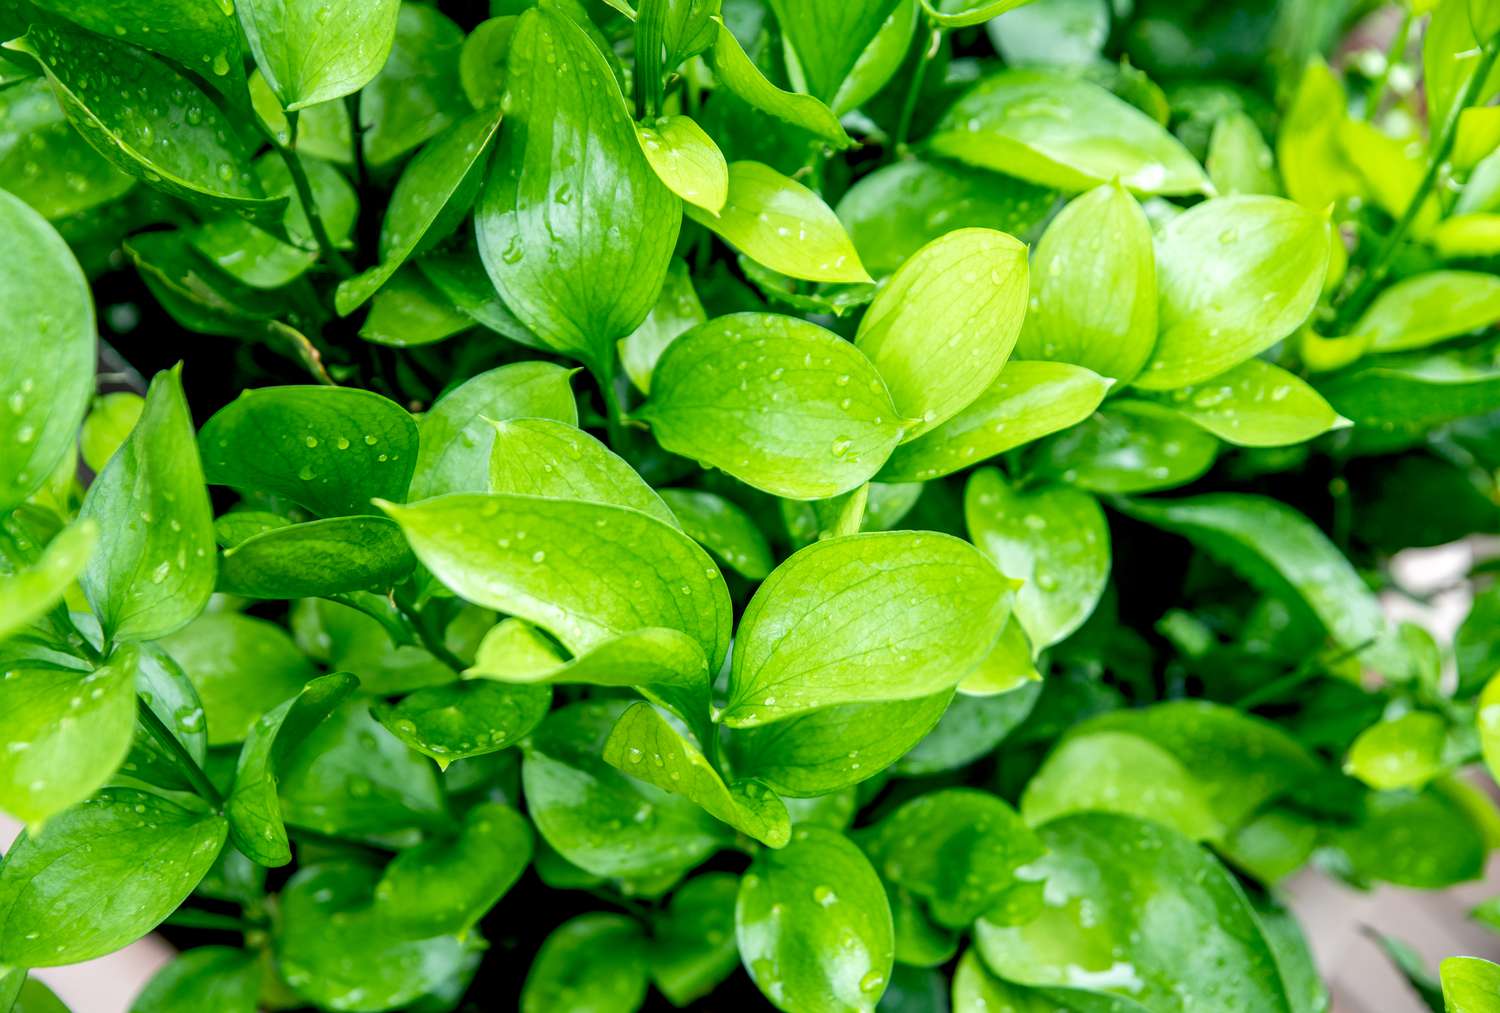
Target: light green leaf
(1413, 397)
(1093, 287)
(693, 947)
(897, 209)
(598, 818)
(323, 131)
(162, 685)
(723, 529)
(1470, 985)
(687, 161)
(241, 667)
(1027, 401)
(1236, 275)
(252, 806)
(334, 949)
(410, 311)
(1063, 33)
(1130, 446)
(741, 77)
(329, 449)
(464, 719)
(1255, 404)
(318, 558)
(460, 278)
(818, 420)
(1404, 752)
(44, 299)
(1428, 308)
(1064, 132)
(481, 63)
(543, 457)
(1487, 721)
(446, 885)
(180, 142)
(827, 38)
(1451, 56)
(941, 328)
(432, 196)
(796, 905)
(976, 990)
(645, 746)
(1010, 664)
(110, 419)
(206, 977)
(1116, 772)
(67, 732)
(781, 224)
(831, 748)
(963, 13)
(1105, 875)
(314, 52)
(677, 310)
(577, 248)
(155, 571)
(417, 92)
(585, 572)
(199, 35)
(594, 962)
(1313, 164)
(63, 900)
(514, 652)
(31, 593)
(1239, 160)
(880, 60)
(1053, 538)
(879, 616)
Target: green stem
(430, 641)
(179, 755)
(294, 166)
(1393, 54)
(909, 107)
(1347, 309)
(614, 414)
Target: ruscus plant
(835, 505)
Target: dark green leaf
(1130, 446)
(693, 946)
(208, 977)
(594, 962)
(465, 719)
(417, 92)
(317, 558)
(723, 529)
(739, 74)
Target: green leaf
(411, 311)
(417, 92)
(252, 806)
(1487, 722)
(1470, 984)
(880, 616)
(201, 36)
(687, 161)
(741, 77)
(781, 224)
(970, 728)
(1027, 401)
(958, 849)
(444, 886)
(323, 131)
(457, 437)
(1239, 160)
(318, 558)
(593, 962)
(1010, 664)
(334, 949)
(815, 896)
(31, 593)
(585, 572)
(179, 141)
(1062, 33)
(44, 297)
(464, 719)
(481, 63)
(343, 638)
(1093, 289)
(1313, 165)
(879, 62)
(1116, 772)
(206, 977)
(241, 668)
(1053, 538)
(832, 425)
(1429, 308)
(577, 248)
(1413, 397)
(329, 449)
(1404, 752)
(314, 52)
(67, 733)
(460, 278)
(598, 818)
(1104, 875)
(693, 947)
(432, 196)
(1424, 840)
(963, 13)
(1064, 132)
(897, 209)
(515, 652)
(677, 310)
(1278, 550)
(1256, 404)
(162, 685)
(38, 134)
(1236, 275)
(155, 571)
(723, 529)
(645, 746)
(63, 900)
(542, 457)
(941, 328)
(110, 419)
(975, 990)
(1130, 446)
(828, 37)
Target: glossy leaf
(723, 529)
(794, 904)
(44, 299)
(333, 449)
(155, 572)
(1312, 163)
(833, 425)
(1411, 397)
(318, 558)
(1130, 446)
(1470, 984)
(687, 161)
(1422, 840)
(464, 719)
(914, 613)
(1239, 160)
(205, 977)
(1405, 752)
(739, 75)
(577, 249)
(677, 310)
(417, 92)
(963, 13)
(942, 327)
(63, 901)
(595, 962)
(694, 948)
(28, 595)
(162, 685)
(1236, 275)
(1428, 308)
(542, 457)
(1256, 404)
(315, 52)
(828, 38)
